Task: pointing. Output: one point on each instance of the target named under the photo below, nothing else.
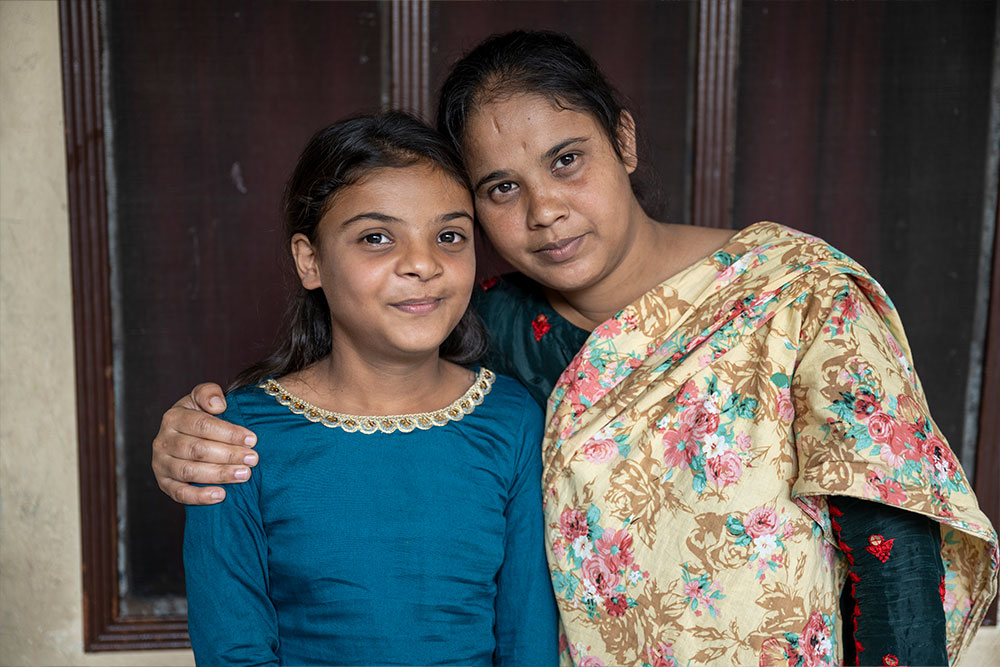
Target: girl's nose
(546, 208)
(419, 260)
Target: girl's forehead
(422, 186)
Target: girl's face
(550, 191)
(395, 259)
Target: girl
(736, 433)
(395, 518)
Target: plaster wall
(41, 620)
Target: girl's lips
(561, 251)
(418, 306)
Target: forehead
(526, 123)
(401, 192)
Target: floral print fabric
(691, 445)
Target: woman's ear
(626, 141)
(306, 261)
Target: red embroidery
(851, 576)
(879, 547)
(890, 661)
(941, 588)
(541, 326)
(487, 283)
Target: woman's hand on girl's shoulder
(192, 446)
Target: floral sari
(693, 441)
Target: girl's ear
(306, 261)
(626, 141)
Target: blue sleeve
(526, 628)
(231, 619)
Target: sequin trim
(387, 423)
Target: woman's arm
(231, 619)
(894, 584)
(526, 629)
(194, 446)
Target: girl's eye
(375, 238)
(450, 238)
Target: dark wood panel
(866, 124)
(988, 447)
(211, 104)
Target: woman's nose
(546, 208)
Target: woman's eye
(375, 238)
(566, 160)
(502, 190)
(450, 237)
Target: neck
(349, 382)
(645, 264)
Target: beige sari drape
(691, 445)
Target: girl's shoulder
(249, 404)
(509, 402)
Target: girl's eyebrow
(383, 218)
(370, 215)
(548, 155)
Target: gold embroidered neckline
(386, 423)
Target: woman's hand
(194, 446)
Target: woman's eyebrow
(492, 176)
(549, 154)
(562, 145)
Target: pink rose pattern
(599, 565)
(691, 443)
(702, 436)
(763, 531)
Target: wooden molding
(104, 627)
(410, 57)
(715, 112)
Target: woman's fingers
(209, 397)
(193, 422)
(195, 447)
(192, 495)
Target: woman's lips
(420, 306)
(562, 250)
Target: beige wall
(40, 585)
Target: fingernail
(217, 495)
(242, 473)
(250, 440)
(250, 459)
(215, 402)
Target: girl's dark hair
(337, 156)
(540, 62)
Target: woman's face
(394, 256)
(550, 191)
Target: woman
(730, 409)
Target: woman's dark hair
(337, 156)
(540, 62)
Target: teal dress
(390, 541)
